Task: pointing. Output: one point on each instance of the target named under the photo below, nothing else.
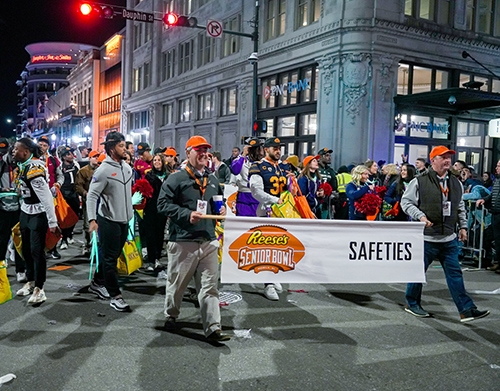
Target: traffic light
(259, 126)
(94, 10)
(172, 19)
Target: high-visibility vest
(342, 181)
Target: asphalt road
(323, 337)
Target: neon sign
(280, 89)
(51, 58)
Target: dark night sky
(28, 21)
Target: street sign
(138, 16)
(214, 29)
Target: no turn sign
(214, 29)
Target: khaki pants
(188, 259)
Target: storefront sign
(428, 127)
(261, 250)
(286, 87)
(51, 58)
(494, 128)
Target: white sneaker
(270, 293)
(21, 277)
(27, 289)
(38, 296)
(71, 240)
(162, 275)
(64, 246)
(278, 287)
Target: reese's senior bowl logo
(267, 248)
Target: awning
(451, 100)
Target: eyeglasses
(200, 149)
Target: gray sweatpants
(188, 259)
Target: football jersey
(273, 176)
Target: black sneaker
(170, 324)
(217, 336)
(99, 290)
(473, 314)
(119, 304)
(417, 311)
(55, 254)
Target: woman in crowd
(357, 189)
(396, 190)
(154, 221)
(390, 173)
(487, 181)
(309, 181)
(373, 174)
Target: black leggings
(33, 232)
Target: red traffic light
(91, 9)
(86, 9)
(170, 19)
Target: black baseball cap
(141, 147)
(272, 142)
(324, 151)
(159, 150)
(4, 145)
(65, 151)
(253, 142)
(114, 137)
(44, 139)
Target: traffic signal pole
(255, 64)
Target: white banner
(261, 250)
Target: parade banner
(262, 250)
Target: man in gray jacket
(435, 198)
(112, 186)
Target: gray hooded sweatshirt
(112, 183)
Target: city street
(317, 337)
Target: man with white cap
(435, 198)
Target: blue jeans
(447, 254)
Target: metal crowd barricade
(476, 224)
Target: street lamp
(53, 137)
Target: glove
(137, 198)
(53, 191)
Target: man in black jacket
(186, 196)
(435, 198)
(493, 203)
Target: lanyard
(276, 166)
(203, 186)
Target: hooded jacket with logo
(179, 196)
(35, 192)
(112, 183)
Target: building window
(185, 7)
(147, 75)
(206, 105)
(206, 49)
(185, 110)
(168, 61)
(275, 19)
(435, 10)
(136, 82)
(137, 35)
(167, 114)
(140, 120)
(231, 43)
(307, 12)
(148, 31)
(168, 6)
(185, 57)
(413, 79)
(228, 101)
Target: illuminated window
(228, 101)
(206, 105)
(185, 110)
(307, 12)
(147, 75)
